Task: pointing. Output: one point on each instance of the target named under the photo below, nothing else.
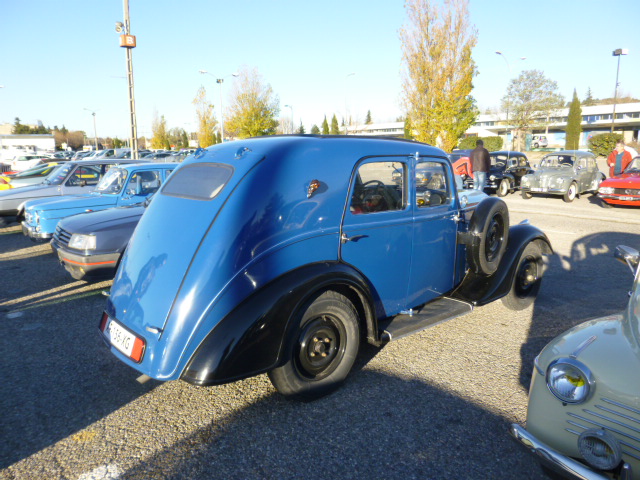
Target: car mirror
(82, 183)
(628, 255)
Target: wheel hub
(320, 348)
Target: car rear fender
(480, 289)
(251, 338)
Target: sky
(61, 60)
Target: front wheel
(571, 194)
(527, 279)
(525, 194)
(322, 350)
(503, 188)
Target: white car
(24, 162)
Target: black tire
(322, 350)
(572, 193)
(489, 223)
(503, 188)
(604, 204)
(535, 145)
(527, 279)
(525, 194)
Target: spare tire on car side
(487, 236)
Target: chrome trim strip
(626, 417)
(583, 346)
(621, 442)
(603, 417)
(621, 405)
(606, 427)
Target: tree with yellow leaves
(438, 70)
(160, 139)
(206, 119)
(254, 107)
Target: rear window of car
(202, 181)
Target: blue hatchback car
(120, 186)
(283, 254)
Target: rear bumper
(552, 459)
(87, 267)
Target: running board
(431, 314)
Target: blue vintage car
(283, 254)
(125, 185)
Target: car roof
(579, 153)
(511, 153)
(105, 161)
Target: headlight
(559, 181)
(524, 180)
(569, 380)
(82, 242)
(606, 190)
(37, 217)
(492, 177)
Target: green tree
(184, 139)
(367, 120)
(315, 130)
(408, 129)
(588, 99)
(254, 108)
(335, 129)
(160, 139)
(206, 119)
(438, 70)
(301, 130)
(117, 143)
(19, 129)
(574, 124)
(325, 126)
(604, 143)
(531, 99)
(218, 137)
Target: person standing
(480, 163)
(618, 159)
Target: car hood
(554, 172)
(625, 180)
(30, 191)
(74, 202)
(95, 222)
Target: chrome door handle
(344, 238)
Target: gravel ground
(434, 405)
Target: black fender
(481, 289)
(251, 338)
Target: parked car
(25, 162)
(297, 248)
(506, 170)
(71, 178)
(584, 410)
(568, 173)
(623, 189)
(31, 176)
(538, 141)
(123, 185)
(90, 245)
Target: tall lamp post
(617, 53)
(346, 131)
(128, 42)
(508, 96)
(289, 106)
(95, 130)
(219, 81)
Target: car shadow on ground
(375, 426)
(565, 298)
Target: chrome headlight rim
(585, 373)
(81, 241)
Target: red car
(623, 189)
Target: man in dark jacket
(480, 163)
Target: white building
(12, 145)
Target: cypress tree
(574, 124)
(335, 129)
(325, 126)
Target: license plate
(538, 189)
(123, 340)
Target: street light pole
(128, 41)
(508, 96)
(289, 106)
(220, 81)
(617, 53)
(95, 131)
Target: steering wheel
(378, 182)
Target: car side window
(84, 176)
(432, 188)
(379, 187)
(143, 183)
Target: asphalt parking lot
(434, 405)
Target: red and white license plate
(125, 341)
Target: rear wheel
(322, 350)
(503, 188)
(527, 279)
(572, 193)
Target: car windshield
(39, 171)
(113, 181)
(555, 161)
(57, 176)
(634, 165)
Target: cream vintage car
(583, 419)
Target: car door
(584, 174)
(83, 179)
(435, 229)
(139, 186)
(377, 229)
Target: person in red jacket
(618, 159)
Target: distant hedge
(604, 143)
(490, 143)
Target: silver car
(568, 173)
(71, 178)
